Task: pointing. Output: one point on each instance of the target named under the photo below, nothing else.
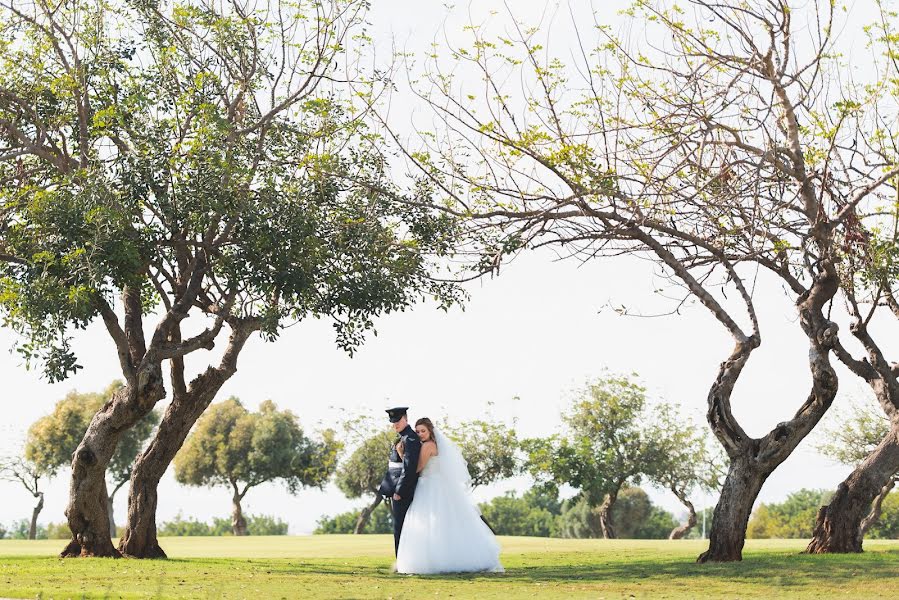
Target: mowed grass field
(341, 566)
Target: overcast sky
(525, 341)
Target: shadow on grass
(781, 569)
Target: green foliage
(490, 449)
(614, 437)
(179, 526)
(852, 433)
(59, 531)
(233, 447)
(201, 151)
(265, 525)
(361, 473)
(682, 458)
(18, 530)
(256, 525)
(636, 517)
(792, 518)
(381, 521)
(887, 526)
(535, 513)
(604, 445)
(52, 439)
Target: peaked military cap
(395, 414)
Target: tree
(639, 150)
(360, 474)
(792, 518)
(603, 448)
(853, 436)
(887, 525)
(490, 448)
(256, 525)
(684, 462)
(53, 438)
(169, 168)
(380, 521)
(29, 474)
(535, 513)
(233, 447)
(869, 272)
(636, 517)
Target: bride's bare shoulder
(430, 447)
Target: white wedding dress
(443, 531)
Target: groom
(399, 482)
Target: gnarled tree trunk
(838, 527)
(32, 530)
(753, 460)
(876, 508)
(139, 539)
(606, 521)
(87, 510)
(238, 523)
(741, 487)
(365, 514)
(683, 529)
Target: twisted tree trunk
(87, 510)
(606, 522)
(32, 530)
(841, 525)
(365, 514)
(238, 523)
(741, 487)
(683, 529)
(139, 539)
(838, 527)
(753, 460)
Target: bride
(443, 531)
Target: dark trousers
(399, 508)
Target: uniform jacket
(402, 479)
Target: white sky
(536, 332)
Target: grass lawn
(340, 566)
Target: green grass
(359, 567)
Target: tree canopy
(489, 447)
(234, 447)
(196, 166)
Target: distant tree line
(230, 446)
(539, 513)
(612, 439)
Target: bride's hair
(427, 423)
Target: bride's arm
(427, 451)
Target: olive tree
(490, 449)
(29, 475)
(685, 461)
(715, 152)
(604, 446)
(52, 439)
(868, 219)
(851, 438)
(360, 474)
(233, 447)
(184, 173)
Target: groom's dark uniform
(402, 474)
